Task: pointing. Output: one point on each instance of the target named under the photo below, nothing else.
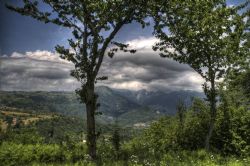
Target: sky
(28, 61)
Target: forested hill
(133, 105)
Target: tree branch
(106, 43)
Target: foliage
(231, 136)
(209, 36)
(94, 25)
(201, 35)
(232, 132)
(238, 86)
(19, 154)
(233, 117)
(181, 109)
(22, 136)
(42, 154)
(116, 138)
(165, 141)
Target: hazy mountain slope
(112, 104)
(161, 101)
(128, 106)
(140, 116)
(60, 102)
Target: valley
(126, 107)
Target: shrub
(19, 154)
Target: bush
(19, 154)
(16, 154)
(232, 132)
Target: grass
(3, 125)
(55, 155)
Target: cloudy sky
(28, 60)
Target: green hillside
(129, 107)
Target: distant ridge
(124, 105)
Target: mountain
(66, 102)
(164, 102)
(113, 103)
(141, 116)
(129, 107)
(56, 102)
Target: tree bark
(210, 132)
(212, 114)
(91, 135)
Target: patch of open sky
(21, 33)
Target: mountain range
(128, 107)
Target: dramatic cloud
(44, 70)
(39, 70)
(147, 70)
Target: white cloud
(131, 85)
(40, 55)
(147, 70)
(39, 70)
(16, 55)
(44, 70)
(142, 43)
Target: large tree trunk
(212, 115)
(210, 132)
(91, 135)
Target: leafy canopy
(207, 35)
(94, 24)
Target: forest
(99, 125)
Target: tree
(116, 138)
(206, 35)
(235, 89)
(181, 109)
(94, 24)
(231, 134)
